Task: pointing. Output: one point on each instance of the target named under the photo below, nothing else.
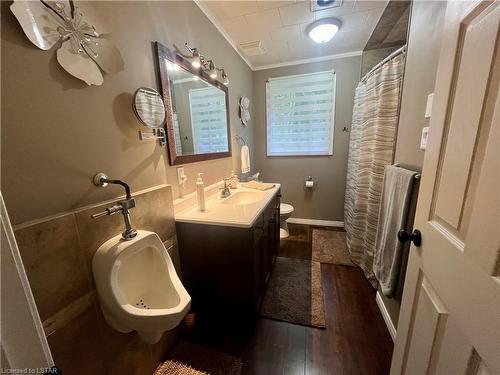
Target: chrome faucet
(225, 190)
(122, 206)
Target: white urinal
(138, 287)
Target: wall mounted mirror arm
(154, 134)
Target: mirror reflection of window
(208, 120)
(177, 135)
(199, 115)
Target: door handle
(415, 237)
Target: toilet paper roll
(309, 184)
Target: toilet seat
(285, 208)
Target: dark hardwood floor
(355, 341)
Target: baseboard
(323, 223)
(385, 315)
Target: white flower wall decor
(244, 110)
(84, 52)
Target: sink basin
(243, 198)
(240, 209)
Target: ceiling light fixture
(322, 31)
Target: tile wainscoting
(57, 253)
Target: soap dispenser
(200, 192)
(234, 181)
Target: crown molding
(307, 61)
(218, 26)
(221, 30)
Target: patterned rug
(329, 246)
(192, 359)
(294, 293)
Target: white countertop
(219, 212)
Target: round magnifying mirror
(149, 108)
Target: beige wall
(420, 74)
(326, 201)
(57, 132)
(57, 254)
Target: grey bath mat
(294, 293)
(329, 246)
(192, 359)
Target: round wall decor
(244, 110)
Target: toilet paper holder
(309, 182)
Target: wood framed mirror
(197, 110)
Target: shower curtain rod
(388, 58)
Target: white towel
(245, 159)
(394, 206)
(257, 185)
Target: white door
(450, 313)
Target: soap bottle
(200, 192)
(234, 181)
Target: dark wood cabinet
(227, 268)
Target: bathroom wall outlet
(423, 139)
(181, 177)
(428, 106)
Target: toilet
(138, 287)
(285, 213)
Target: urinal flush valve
(122, 206)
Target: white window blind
(300, 114)
(208, 119)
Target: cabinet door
(273, 238)
(264, 256)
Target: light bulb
(212, 72)
(196, 61)
(225, 79)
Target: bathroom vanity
(227, 252)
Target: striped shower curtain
(371, 148)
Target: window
(208, 119)
(300, 114)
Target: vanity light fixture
(212, 71)
(323, 30)
(198, 61)
(225, 78)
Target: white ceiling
(280, 26)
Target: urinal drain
(142, 305)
